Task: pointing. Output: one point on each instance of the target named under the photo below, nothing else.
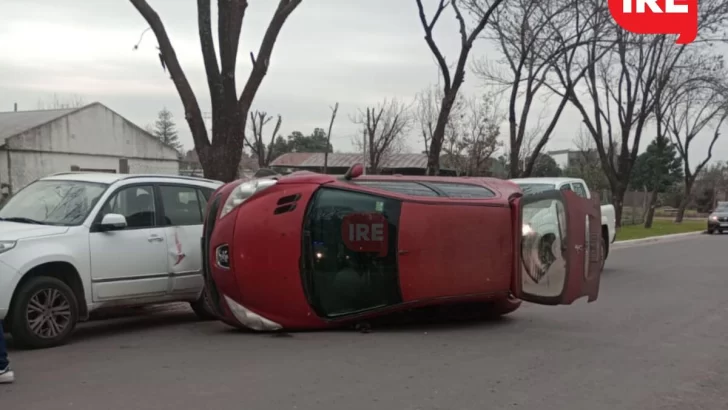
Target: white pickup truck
(535, 185)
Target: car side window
(181, 205)
(467, 191)
(566, 187)
(579, 189)
(400, 187)
(136, 204)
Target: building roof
(310, 160)
(16, 122)
(13, 123)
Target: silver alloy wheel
(48, 313)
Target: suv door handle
(154, 238)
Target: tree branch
(193, 115)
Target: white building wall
(562, 159)
(92, 138)
(4, 167)
(141, 166)
(4, 175)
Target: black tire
(202, 307)
(605, 251)
(711, 231)
(40, 328)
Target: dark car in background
(718, 219)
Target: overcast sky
(351, 51)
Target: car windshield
(53, 202)
(722, 207)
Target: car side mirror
(113, 222)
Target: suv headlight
(6, 246)
(242, 192)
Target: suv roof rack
(132, 176)
(184, 177)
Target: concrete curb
(655, 239)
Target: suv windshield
(53, 202)
(722, 207)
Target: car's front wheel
(44, 313)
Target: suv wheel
(203, 308)
(44, 313)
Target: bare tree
(451, 80)
(427, 111)
(220, 156)
(586, 165)
(472, 140)
(622, 88)
(56, 102)
(384, 127)
(697, 102)
(334, 110)
(533, 36)
(262, 151)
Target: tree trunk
(221, 160)
(651, 210)
(685, 201)
(618, 203)
(514, 164)
(438, 137)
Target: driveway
(656, 339)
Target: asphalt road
(655, 339)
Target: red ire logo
(658, 17)
(366, 232)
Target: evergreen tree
(166, 130)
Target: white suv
(72, 243)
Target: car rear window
(457, 190)
(400, 187)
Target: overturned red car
(310, 251)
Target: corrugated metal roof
(15, 122)
(292, 159)
(306, 160)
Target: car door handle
(155, 238)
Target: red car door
(558, 252)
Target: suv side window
(137, 205)
(203, 195)
(579, 189)
(566, 187)
(181, 205)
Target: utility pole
(364, 144)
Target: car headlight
(527, 230)
(713, 217)
(242, 192)
(6, 246)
